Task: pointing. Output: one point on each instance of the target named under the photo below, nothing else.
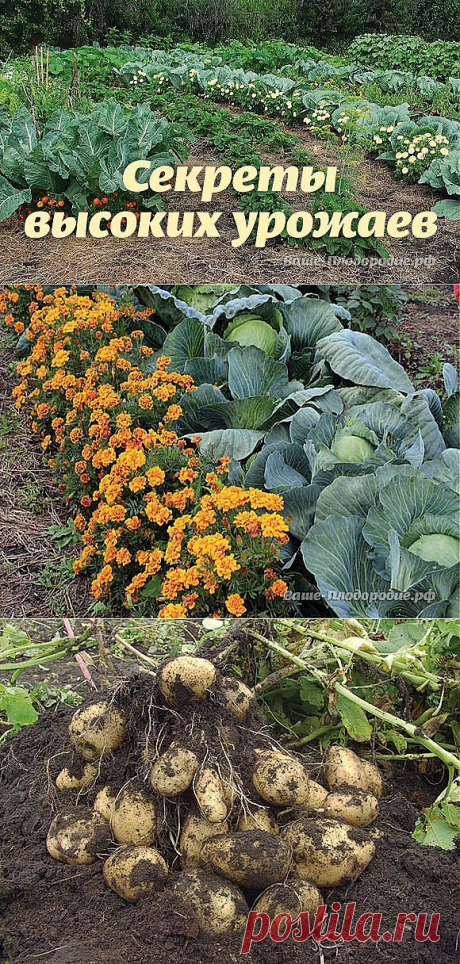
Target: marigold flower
(155, 476)
(172, 611)
(278, 588)
(133, 523)
(235, 605)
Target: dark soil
(428, 333)
(56, 914)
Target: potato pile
(189, 792)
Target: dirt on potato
(51, 913)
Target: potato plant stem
(414, 731)
(56, 649)
(136, 652)
(448, 758)
(402, 756)
(415, 678)
(320, 731)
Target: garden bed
(193, 261)
(309, 110)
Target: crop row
(425, 150)
(79, 155)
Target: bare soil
(193, 261)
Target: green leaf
(310, 692)
(184, 342)
(11, 199)
(354, 719)
(448, 209)
(252, 372)
(397, 739)
(234, 443)
(364, 361)
(152, 588)
(308, 319)
(299, 509)
(435, 832)
(15, 701)
(401, 635)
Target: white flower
(405, 170)
(444, 151)
(412, 160)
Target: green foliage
(17, 705)
(375, 309)
(399, 666)
(77, 156)
(330, 420)
(71, 22)
(440, 59)
(440, 824)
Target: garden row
(81, 153)
(242, 450)
(425, 149)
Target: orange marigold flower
(79, 522)
(155, 476)
(172, 611)
(123, 557)
(187, 475)
(235, 605)
(162, 362)
(133, 523)
(138, 483)
(173, 413)
(145, 401)
(278, 588)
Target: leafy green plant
(440, 59)
(17, 706)
(375, 309)
(445, 173)
(77, 156)
(383, 682)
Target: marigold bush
(160, 528)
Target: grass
(56, 578)
(31, 494)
